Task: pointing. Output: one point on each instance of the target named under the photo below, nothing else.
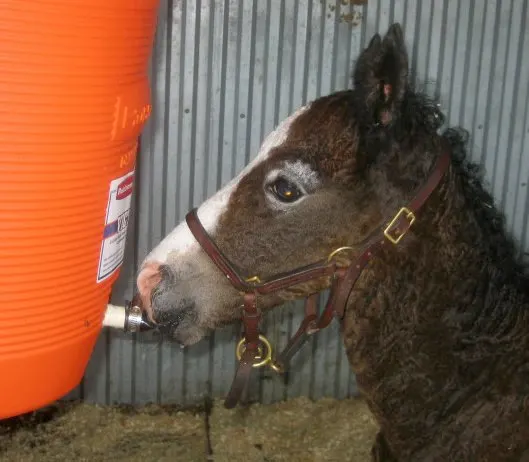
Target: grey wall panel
(224, 73)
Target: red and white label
(125, 188)
(116, 225)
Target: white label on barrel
(116, 224)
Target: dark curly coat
(438, 332)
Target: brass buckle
(265, 357)
(410, 216)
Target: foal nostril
(148, 278)
(161, 295)
(147, 281)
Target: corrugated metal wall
(224, 73)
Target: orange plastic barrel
(74, 96)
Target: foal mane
(497, 240)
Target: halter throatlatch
(254, 349)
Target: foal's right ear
(381, 77)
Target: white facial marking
(181, 240)
(299, 174)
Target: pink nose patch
(148, 279)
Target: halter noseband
(254, 350)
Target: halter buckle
(410, 217)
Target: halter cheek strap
(254, 350)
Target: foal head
(325, 178)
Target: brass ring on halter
(337, 251)
(265, 358)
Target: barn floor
(296, 430)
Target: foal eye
(285, 191)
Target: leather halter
(254, 350)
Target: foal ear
(381, 76)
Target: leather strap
(213, 251)
(278, 282)
(442, 164)
(307, 328)
(239, 386)
(252, 318)
(343, 281)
